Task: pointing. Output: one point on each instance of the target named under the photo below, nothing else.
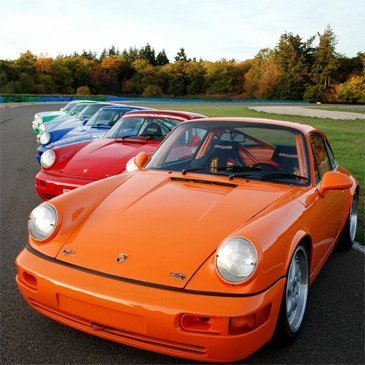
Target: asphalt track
(333, 332)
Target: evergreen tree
(162, 59)
(292, 55)
(148, 53)
(113, 51)
(181, 56)
(325, 58)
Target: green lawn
(355, 109)
(347, 138)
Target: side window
(320, 156)
(331, 155)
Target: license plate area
(102, 315)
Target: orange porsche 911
(204, 251)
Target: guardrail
(55, 98)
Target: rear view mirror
(138, 162)
(334, 180)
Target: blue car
(56, 129)
(81, 129)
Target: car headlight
(42, 221)
(45, 138)
(131, 165)
(236, 260)
(42, 128)
(48, 158)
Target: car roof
(123, 106)
(304, 128)
(166, 113)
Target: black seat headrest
(152, 128)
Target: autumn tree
(261, 79)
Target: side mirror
(138, 162)
(333, 180)
(84, 121)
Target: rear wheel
(348, 234)
(295, 296)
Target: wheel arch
(301, 237)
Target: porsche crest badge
(121, 258)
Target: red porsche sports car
(68, 167)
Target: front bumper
(49, 186)
(142, 316)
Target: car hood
(104, 157)
(57, 120)
(162, 226)
(79, 134)
(47, 116)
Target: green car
(71, 109)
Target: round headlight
(42, 221)
(48, 158)
(42, 128)
(131, 165)
(45, 138)
(236, 260)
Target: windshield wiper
(281, 175)
(239, 168)
(185, 171)
(100, 125)
(125, 137)
(149, 136)
(225, 168)
(238, 171)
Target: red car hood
(105, 157)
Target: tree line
(295, 69)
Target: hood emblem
(68, 251)
(178, 275)
(121, 258)
(85, 171)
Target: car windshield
(235, 149)
(69, 106)
(77, 109)
(142, 127)
(88, 112)
(105, 118)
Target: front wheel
(348, 234)
(295, 296)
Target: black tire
(347, 236)
(284, 332)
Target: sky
(208, 29)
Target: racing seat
(224, 154)
(287, 158)
(152, 129)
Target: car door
(326, 211)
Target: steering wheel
(265, 166)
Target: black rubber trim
(145, 283)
